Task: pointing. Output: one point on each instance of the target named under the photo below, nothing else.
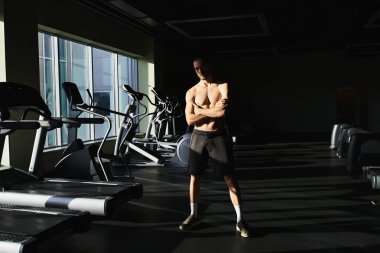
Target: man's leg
(234, 189)
(194, 190)
(235, 195)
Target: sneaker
(190, 222)
(243, 228)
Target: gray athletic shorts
(211, 147)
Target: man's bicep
(189, 101)
(189, 108)
(223, 89)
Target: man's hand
(222, 102)
(196, 109)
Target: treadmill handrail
(77, 122)
(30, 124)
(19, 124)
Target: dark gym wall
(21, 57)
(296, 92)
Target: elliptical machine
(179, 148)
(124, 144)
(162, 125)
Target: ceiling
(263, 27)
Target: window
(100, 71)
(46, 65)
(103, 79)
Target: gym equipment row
(129, 149)
(360, 148)
(35, 209)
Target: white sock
(194, 209)
(238, 213)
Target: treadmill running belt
(29, 230)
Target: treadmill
(23, 188)
(31, 230)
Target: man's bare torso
(206, 96)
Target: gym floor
(297, 198)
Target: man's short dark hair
(206, 58)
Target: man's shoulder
(190, 93)
(222, 86)
(192, 89)
(221, 83)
